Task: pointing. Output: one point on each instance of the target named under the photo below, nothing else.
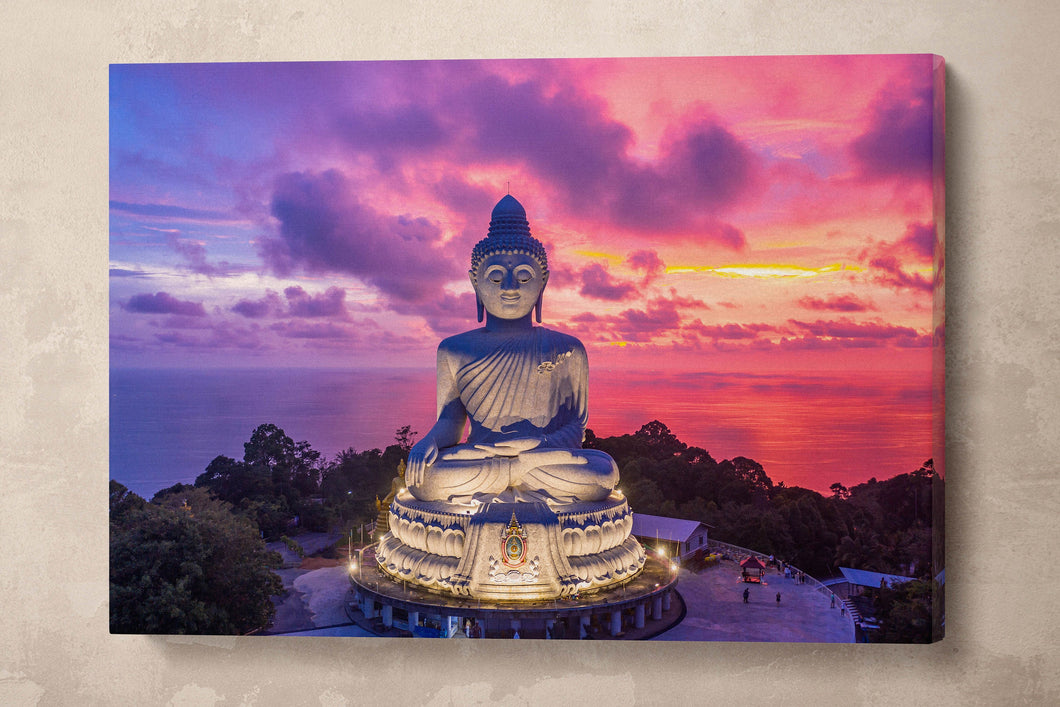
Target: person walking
(746, 594)
(778, 598)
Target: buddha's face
(509, 284)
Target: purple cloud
(325, 228)
(729, 331)
(331, 303)
(888, 271)
(564, 137)
(164, 303)
(848, 329)
(837, 303)
(648, 262)
(598, 284)
(194, 252)
(661, 315)
(897, 141)
(919, 239)
(269, 305)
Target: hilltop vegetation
(193, 559)
(883, 526)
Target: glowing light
(763, 270)
(594, 254)
(620, 344)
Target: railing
(821, 589)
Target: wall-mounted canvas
(572, 349)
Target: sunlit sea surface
(806, 430)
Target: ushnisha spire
(509, 232)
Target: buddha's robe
(530, 384)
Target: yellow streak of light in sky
(594, 254)
(761, 270)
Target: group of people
(799, 577)
(473, 629)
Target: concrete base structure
(607, 613)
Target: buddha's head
(509, 267)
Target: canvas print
(572, 349)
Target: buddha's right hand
(421, 456)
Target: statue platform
(643, 605)
(511, 551)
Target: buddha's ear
(478, 302)
(537, 306)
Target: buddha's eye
(495, 276)
(524, 275)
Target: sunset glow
(767, 215)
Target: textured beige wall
(1004, 359)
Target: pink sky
(766, 214)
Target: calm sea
(810, 430)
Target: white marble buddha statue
(521, 387)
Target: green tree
(186, 564)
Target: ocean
(806, 430)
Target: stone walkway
(716, 612)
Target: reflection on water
(807, 430)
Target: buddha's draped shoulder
(537, 376)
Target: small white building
(675, 536)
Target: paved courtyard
(713, 599)
(716, 611)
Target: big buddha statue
(517, 510)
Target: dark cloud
(562, 134)
(729, 331)
(565, 138)
(661, 315)
(837, 303)
(648, 262)
(897, 141)
(919, 239)
(848, 329)
(598, 283)
(268, 306)
(122, 272)
(164, 303)
(888, 271)
(325, 228)
(331, 303)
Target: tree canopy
(185, 563)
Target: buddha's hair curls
(509, 234)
